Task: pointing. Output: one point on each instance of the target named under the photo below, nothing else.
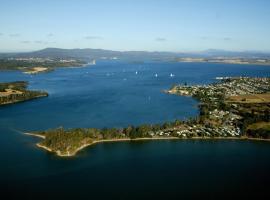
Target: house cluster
(67, 60)
(214, 94)
(245, 85)
(42, 60)
(39, 60)
(188, 131)
(228, 86)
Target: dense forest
(64, 140)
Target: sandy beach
(36, 70)
(36, 135)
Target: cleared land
(8, 92)
(260, 125)
(36, 70)
(259, 130)
(14, 92)
(250, 98)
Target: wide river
(117, 94)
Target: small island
(232, 108)
(14, 92)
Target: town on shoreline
(226, 60)
(231, 108)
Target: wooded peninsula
(38, 65)
(231, 108)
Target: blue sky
(152, 25)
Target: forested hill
(89, 54)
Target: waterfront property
(219, 118)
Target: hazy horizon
(171, 26)
(201, 51)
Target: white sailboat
(93, 62)
(171, 75)
(156, 75)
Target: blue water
(111, 94)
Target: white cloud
(50, 35)
(161, 39)
(25, 42)
(14, 35)
(93, 37)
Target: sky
(151, 25)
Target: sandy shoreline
(36, 70)
(36, 135)
(44, 147)
(58, 153)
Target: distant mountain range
(89, 54)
